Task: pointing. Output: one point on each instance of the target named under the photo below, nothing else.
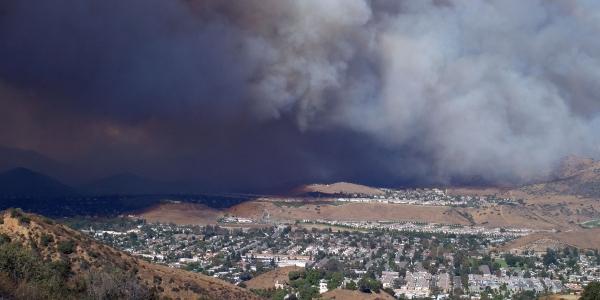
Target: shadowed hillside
(25, 182)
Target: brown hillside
(344, 188)
(576, 176)
(92, 266)
(181, 213)
(582, 238)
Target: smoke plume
(264, 93)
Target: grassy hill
(40, 259)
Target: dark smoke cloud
(259, 94)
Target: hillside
(338, 188)
(181, 213)
(581, 238)
(25, 182)
(575, 176)
(42, 259)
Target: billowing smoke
(263, 93)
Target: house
(323, 286)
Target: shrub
(46, 239)
(66, 247)
(4, 239)
(23, 219)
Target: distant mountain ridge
(129, 183)
(25, 182)
(12, 158)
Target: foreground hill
(40, 259)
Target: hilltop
(42, 259)
(338, 188)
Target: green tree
(335, 280)
(591, 292)
(351, 285)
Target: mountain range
(25, 182)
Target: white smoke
(498, 89)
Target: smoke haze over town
(255, 95)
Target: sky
(261, 94)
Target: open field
(181, 213)
(340, 294)
(350, 212)
(333, 228)
(560, 297)
(267, 280)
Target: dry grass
(267, 280)
(341, 294)
(350, 212)
(560, 297)
(181, 213)
(582, 238)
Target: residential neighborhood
(406, 263)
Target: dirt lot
(181, 213)
(267, 280)
(341, 294)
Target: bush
(4, 238)
(66, 247)
(591, 291)
(46, 240)
(367, 285)
(23, 219)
